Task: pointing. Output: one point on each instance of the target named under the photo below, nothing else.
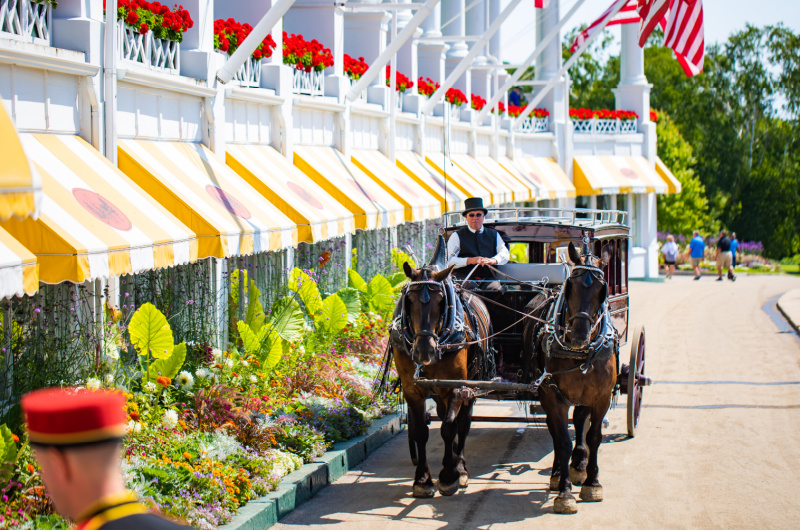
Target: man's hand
(481, 261)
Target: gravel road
(716, 446)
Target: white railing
(249, 74)
(311, 83)
(399, 101)
(362, 96)
(604, 126)
(161, 54)
(26, 18)
(532, 124)
(455, 112)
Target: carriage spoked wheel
(636, 379)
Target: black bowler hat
(472, 204)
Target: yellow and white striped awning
(370, 204)
(420, 205)
(20, 185)
(465, 183)
(318, 216)
(228, 215)
(430, 180)
(19, 272)
(604, 175)
(673, 184)
(95, 222)
(515, 190)
(523, 190)
(544, 171)
(522, 175)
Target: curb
(299, 486)
(786, 315)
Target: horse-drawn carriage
(551, 333)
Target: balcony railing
(160, 54)
(249, 74)
(311, 83)
(532, 124)
(362, 97)
(27, 18)
(604, 126)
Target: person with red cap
(76, 436)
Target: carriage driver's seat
(556, 273)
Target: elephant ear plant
(151, 336)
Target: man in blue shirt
(696, 248)
(734, 247)
(514, 96)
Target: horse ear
(441, 276)
(408, 270)
(574, 256)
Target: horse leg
(449, 475)
(418, 435)
(592, 490)
(412, 444)
(557, 410)
(464, 424)
(555, 472)
(580, 455)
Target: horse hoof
(423, 491)
(555, 480)
(576, 477)
(447, 489)
(463, 480)
(565, 506)
(591, 493)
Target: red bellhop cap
(69, 416)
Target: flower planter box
(249, 74)
(27, 19)
(455, 112)
(399, 101)
(311, 83)
(362, 97)
(535, 125)
(604, 126)
(159, 54)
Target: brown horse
(583, 371)
(432, 338)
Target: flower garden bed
(211, 430)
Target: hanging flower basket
(228, 36)
(150, 34)
(476, 102)
(427, 86)
(603, 121)
(309, 59)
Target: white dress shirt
(454, 247)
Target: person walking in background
(670, 251)
(514, 96)
(696, 248)
(734, 249)
(724, 257)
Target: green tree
(688, 210)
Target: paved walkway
(789, 305)
(717, 447)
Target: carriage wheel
(636, 379)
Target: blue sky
(722, 18)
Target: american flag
(685, 34)
(626, 15)
(652, 12)
(541, 4)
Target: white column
(612, 201)
(633, 92)
(494, 43)
(453, 16)
(649, 234)
(430, 57)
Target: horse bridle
(598, 274)
(424, 285)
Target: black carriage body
(542, 237)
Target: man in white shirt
(475, 244)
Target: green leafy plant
(301, 283)
(152, 338)
(8, 453)
(333, 317)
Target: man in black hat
(475, 244)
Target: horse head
(584, 294)
(424, 302)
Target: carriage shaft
(483, 385)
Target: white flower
(228, 363)
(150, 387)
(111, 350)
(244, 364)
(185, 380)
(134, 426)
(216, 353)
(170, 419)
(201, 373)
(93, 383)
(109, 379)
(253, 379)
(301, 349)
(218, 446)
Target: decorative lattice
(399, 101)
(311, 83)
(161, 54)
(534, 125)
(606, 126)
(26, 18)
(627, 126)
(582, 126)
(249, 74)
(362, 97)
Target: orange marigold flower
(164, 381)
(31, 469)
(134, 415)
(187, 456)
(15, 438)
(234, 374)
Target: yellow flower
(187, 456)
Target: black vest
(483, 244)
